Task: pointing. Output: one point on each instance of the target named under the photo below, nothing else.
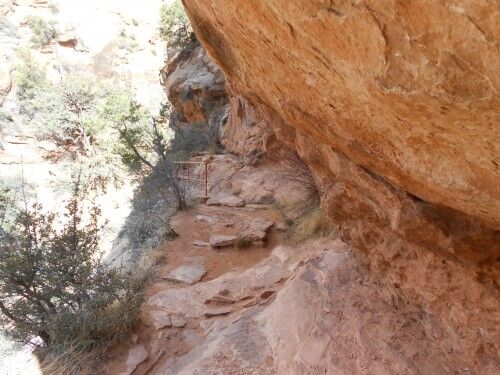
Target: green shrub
(174, 24)
(54, 286)
(43, 32)
(31, 86)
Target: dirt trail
(195, 224)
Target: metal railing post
(206, 179)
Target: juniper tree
(53, 283)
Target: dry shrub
(297, 172)
(243, 243)
(312, 223)
(305, 220)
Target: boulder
(220, 240)
(228, 201)
(194, 84)
(256, 229)
(67, 38)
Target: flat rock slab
(136, 356)
(229, 201)
(232, 201)
(187, 273)
(219, 240)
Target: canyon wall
(406, 90)
(393, 107)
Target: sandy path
(197, 223)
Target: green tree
(53, 284)
(43, 32)
(146, 144)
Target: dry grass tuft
(306, 220)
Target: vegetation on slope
(56, 292)
(174, 25)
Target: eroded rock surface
(393, 107)
(137, 355)
(407, 91)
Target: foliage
(146, 145)
(43, 32)
(127, 41)
(174, 24)
(31, 85)
(82, 117)
(64, 113)
(53, 284)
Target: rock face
(194, 84)
(392, 106)
(407, 91)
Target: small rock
(136, 356)
(200, 243)
(219, 240)
(187, 273)
(256, 229)
(161, 320)
(177, 321)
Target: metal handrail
(189, 178)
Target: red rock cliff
(394, 107)
(407, 90)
